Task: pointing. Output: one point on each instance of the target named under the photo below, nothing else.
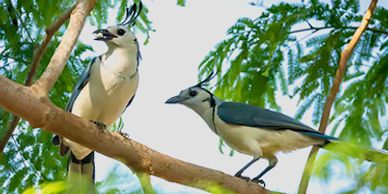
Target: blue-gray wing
(138, 57)
(57, 140)
(129, 102)
(243, 114)
(80, 85)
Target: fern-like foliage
(295, 48)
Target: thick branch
(34, 65)
(345, 55)
(40, 112)
(62, 53)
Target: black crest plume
(207, 79)
(131, 14)
(212, 101)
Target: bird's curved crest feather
(131, 14)
(207, 79)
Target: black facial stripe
(211, 100)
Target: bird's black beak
(104, 35)
(175, 99)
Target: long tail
(370, 154)
(85, 166)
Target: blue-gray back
(243, 114)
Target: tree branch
(27, 103)
(11, 127)
(62, 53)
(345, 55)
(23, 24)
(50, 31)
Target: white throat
(206, 112)
(120, 61)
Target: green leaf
(181, 3)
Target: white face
(191, 96)
(118, 36)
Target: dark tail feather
(84, 166)
(370, 154)
(58, 140)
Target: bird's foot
(125, 135)
(260, 181)
(245, 178)
(100, 125)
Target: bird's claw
(100, 125)
(245, 178)
(125, 135)
(260, 181)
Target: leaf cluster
(294, 49)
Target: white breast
(106, 95)
(261, 142)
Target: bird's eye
(193, 93)
(120, 32)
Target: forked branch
(38, 53)
(62, 53)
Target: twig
(339, 27)
(345, 55)
(6, 56)
(298, 41)
(145, 182)
(50, 31)
(9, 132)
(10, 166)
(25, 161)
(311, 26)
(11, 10)
(22, 22)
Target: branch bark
(27, 103)
(50, 31)
(345, 55)
(62, 53)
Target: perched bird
(259, 132)
(106, 88)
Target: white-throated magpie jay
(107, 86)
(259, 132)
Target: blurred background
(281, 55)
